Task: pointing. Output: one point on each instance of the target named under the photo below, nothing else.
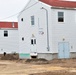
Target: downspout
(47, 28)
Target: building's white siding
(59, 32)
(9, 44)
(26, 30)
(65, 30)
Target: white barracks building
(47, 29)
(9, 41)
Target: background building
(9, 41)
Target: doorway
(64, 50)
(33, 52)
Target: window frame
(33, 20)
(5, 33)
(33, 41)
(60, 16)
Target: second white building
(9, 41)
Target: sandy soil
(54, 67)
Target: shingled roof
(8, 25)
(60, 3)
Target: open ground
(38, 67)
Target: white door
(33, 47)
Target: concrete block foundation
(48, 56)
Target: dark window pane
(60, 20)
(5, 33)
(21, 19)
(32, 18)
(60, 14)
(32, 41)
(32, 22)
(22, 38)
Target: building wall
(9, 44)
(29, 31)
(65, 31)
(59, 32)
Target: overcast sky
(11, 7)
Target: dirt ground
(38, 67)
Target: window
(32, 20)
(5, 33)
(21, 19)
(60, 17)
(22, 38)
(32, 41)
